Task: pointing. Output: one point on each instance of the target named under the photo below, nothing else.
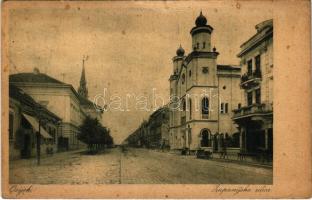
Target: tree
(94, 135)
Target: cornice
(201, 29)
(256, 42)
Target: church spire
(82, 90)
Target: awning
(35, 124)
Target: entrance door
(26, 150)
(204, 138)
(26, 138)
(254, 137)
(215, 143)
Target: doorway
(205, 138)
(26, 150)
(215, 143)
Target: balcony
(251, 79)
(253, 110)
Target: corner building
(203, 94)
(255, 116)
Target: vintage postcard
(156, 99)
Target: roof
(228, 67)
(264, 31)
(85, 101)
(34, 78)
(19, 95)
(260, 27)
(264, 24)
(158, 111)
(39, 78)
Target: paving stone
(136, 166)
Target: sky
(129, 45)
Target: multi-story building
(158, 128)
(25, 117)
(153, 133)
(137, 138)
(255, 116)
(60, 98)
(203, 93)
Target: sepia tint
(117, 94)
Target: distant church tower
(82, 90)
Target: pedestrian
(224, 148)
(162, 145)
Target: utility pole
(39, 116)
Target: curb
(243, 163)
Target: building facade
(255, 116)
(157, 134)
(203, 93)
(25, 115)
(61, 99)
(137, 138)
(153, 133)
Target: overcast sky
(130, 46)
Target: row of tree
(96, 136)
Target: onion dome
(201, 20)
(180, 51)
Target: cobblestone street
(139, 166)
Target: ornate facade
(203, 94)
(255, 117)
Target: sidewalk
(243, 162)
(216, 157)
(137, 166)
(71, 167)
(223, 163)
(43, 160)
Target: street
(134, 166)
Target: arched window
(209, 140)
(205, 137)
(183, 104)
(190, 104)
(183, 78)
(205, 108)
